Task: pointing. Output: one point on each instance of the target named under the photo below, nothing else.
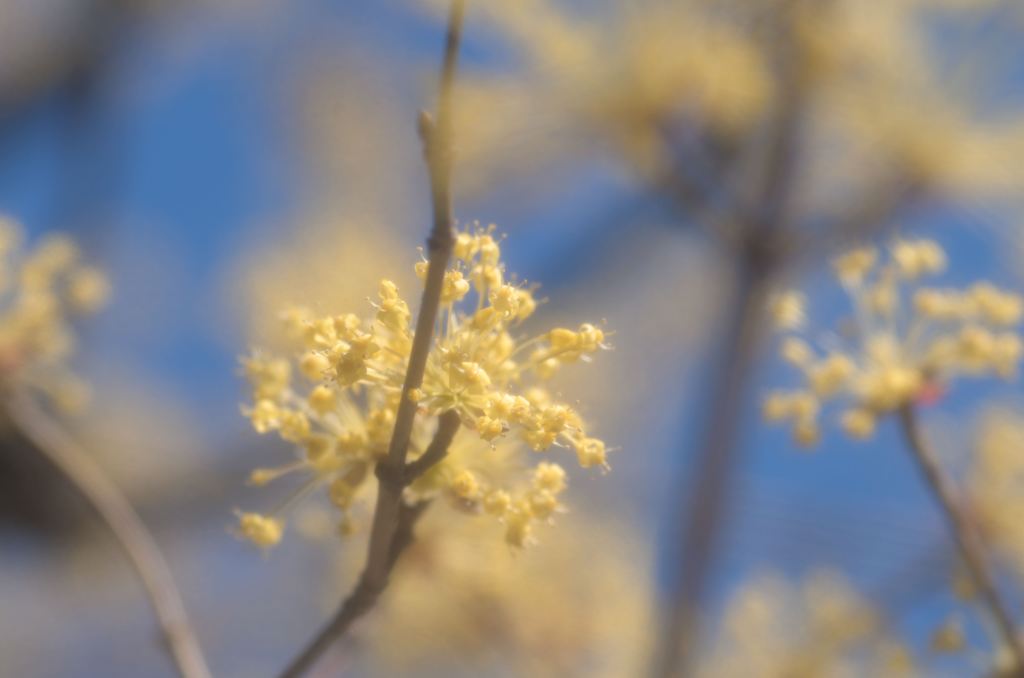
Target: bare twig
(49, 438)
(964, 533)
(387, 537)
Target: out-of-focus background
(223, 159)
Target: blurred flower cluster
(342, 409)
(906, 343)
(819, 626)
(462, 606)
(995, 482)
(697, 89)
(41, 290)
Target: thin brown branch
(372, 584)
(50, 439)
(385, 533)
(964, 533)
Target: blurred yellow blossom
(260, 530)
(463, 605)
(42, 289)
(995, 482)
(818, 627)
(339, 405)
(909, 340)
(687, 83)
(624, 75)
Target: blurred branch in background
(704, 502)
(125, 524)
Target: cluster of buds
(337, 398)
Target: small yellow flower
(455, 287)
(268, 377)
(465, 486)
(542, 504)
(314, 365)
(264, 415)
(549, 477)
(489, 428)
(852, 267)
(261, 476)
(915, 258)
(261, 530)
(806, 432)
(830, 375)
(591, 452)
(294, 426)
(342, 492)
(497, 502)
(1002, 309)
(796, 351)
(322, 399)
(518, 526)
(787, 310)
(88, 290)
(859, 423)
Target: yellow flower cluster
(39, 290)
(908, 341)
(338, 398)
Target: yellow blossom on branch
(337, 396)
(908, 341)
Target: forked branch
(373, 582)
